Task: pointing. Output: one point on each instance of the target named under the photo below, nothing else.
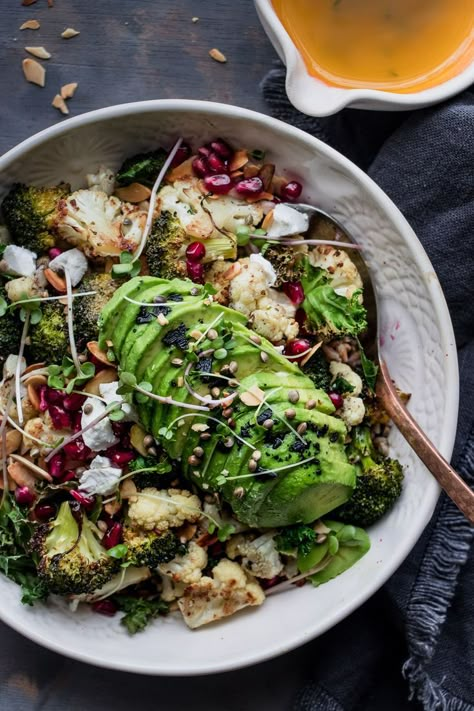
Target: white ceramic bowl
(419, 347)
(315, 98)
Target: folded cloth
(412, 645)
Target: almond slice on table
(39, 52)
(30, 25)
(217, 55)
(59, 103)
(34, 72)
(68, 90)
(69, 32)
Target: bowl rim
(447, 344)
(332, 98)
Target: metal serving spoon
(323, 226)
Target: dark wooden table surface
(128, 50)
(131, 50)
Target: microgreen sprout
(224, 401)
(167, 433)
(127, 266)
(271, 471)
(289, 242)
(24, 336)
(129, 385)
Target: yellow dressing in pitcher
(393, 45)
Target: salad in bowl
(188, 421)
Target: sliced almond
(39, 52)
(13, 441)
(239, 159)
(217, 55)
(113, 507)
(59, 103)
(21, 475)
(278, 183)
(11, 483)
(69, 32)
(108, 375)
(251, 170)
(237, 174)
(56, 281)
(127, 489)
(232, 271)
(100, 355)
(135, 192)
(261, 196)
(68, 90)
(266, 173)
(311, 353)
(32, 468)
(186, 531)
(253, 396)
(34, 72)
(268, 220)
(183, 170)
(137, 435)
(33, 386)
(30, 25)
(32, 367)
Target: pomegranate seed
(222, 148)
(336, 399)
(271, 582)
(216, 164)
(300, 317)
(291, 191)
(105, 607)
(204, 151)
(218, 184)
(121, 429)
(76, 421)
(73, 402)
(44, 512)
(54, 252)
(113, 536)
(195, 251)
(201, 167)
(56, 465)
(77, 450)
(250, 186)
(43, 398)
(121, 458)
(297, 347)
(24, 496)
(86, 501)
(182, 154)
(195, 272)
(294, 291)
(68, 476)
(55, 397)
(61, 419)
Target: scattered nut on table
(217, 55)
(69, 32)
(30, 25)
(39, 52)
(34, 72)
(68, 90)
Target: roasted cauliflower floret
(100, 225)
(345, 279)
(42, 429)
(203, 218)
(353, 411)
(154, 509)
(259, 555)
(170, 590)
(345, 371)
(186, 568)
(210, 599)
(270, 312)
(103, 180)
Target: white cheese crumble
(19, 260)
(109, 392)
(101, 436)
(287, 221)
(101, 479)
(74, 261)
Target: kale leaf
(139, 612)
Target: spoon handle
(455, 487)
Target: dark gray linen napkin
(412, 645)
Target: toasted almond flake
(199, 427)
(237, 174)
(217, 55)
(34, 72)
(135, 192)
(251, 170)
(56, 281)
(261, 196)
(100, 355)
(69, 32)
(195, 19)
(137, 435)
(238, 161)
(33, 366)
(13, 441)
(30, 25)
(253, 396)
(183, 170)
(68, 90)
(311, 353)
(268, 220)
(39, 52)
(24, 468)
(232, 271)
(108, 375)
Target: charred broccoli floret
(142, 168)
(10, 332)
(29, 214)
(88, 308)
(378, 484)
(317, 368)
(165, 250)
(152, 471)
(49, 337)
(71, 558)
(150, 548)
(286, 262)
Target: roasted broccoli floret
(286, 262)
(71, 558)
(88, 308)
(142, 168)
(10, 332)
(317, 368)
(49, 340)
(378, 484)
(29, 214)
(150, 548)
(165, 249)
(329, 313)
(296, 539)
(152, 471)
